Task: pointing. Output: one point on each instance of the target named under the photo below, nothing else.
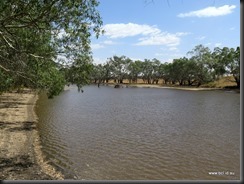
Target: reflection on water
(142, 133)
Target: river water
(142, 133)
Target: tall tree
(164, 71)
(147, 70)
(218, 63)
(200, 55)
(233, 64)
(155, 75)
(119, 67)
(39, 31)
(135, 68)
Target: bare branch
(5, 39)
(20, 74)
(5, 69)
(35, 56)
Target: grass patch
(224, 82)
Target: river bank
(21, 157)
(187, 88)
(173, 87)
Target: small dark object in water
(117, 86)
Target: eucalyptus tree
(165, 72)
(184, 70)
(37, 31)
(191, 69)
(233, 63)
(225, 61)
(198, 52)
(98, 73)
(107, 71)
(155, 75)
(218, 63)
(177, 71)
(235, 66)
(200, 55)
(135, 69)
(147, 71)
(119, 66)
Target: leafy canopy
(36, 33)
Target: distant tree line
(202, 67)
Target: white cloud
(130, 29)
(232, 28)
(182, 33)
(210, 12)
(109, 42)
(96, 46)
(160, 39)
(217, 44)
(149, 35)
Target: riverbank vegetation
(36, 36)
(46, 45)
(203, 67)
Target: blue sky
(165, 29)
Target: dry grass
(227, 81)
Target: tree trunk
(237, 79)
(237, 82)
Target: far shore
(187, 88)
(172, 87)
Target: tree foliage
(34, 34)
(202, 67)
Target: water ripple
(141, 134)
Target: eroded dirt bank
(21, 157)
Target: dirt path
(20, 151)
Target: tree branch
(5, 39)
(5, 69)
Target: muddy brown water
(142, 133)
